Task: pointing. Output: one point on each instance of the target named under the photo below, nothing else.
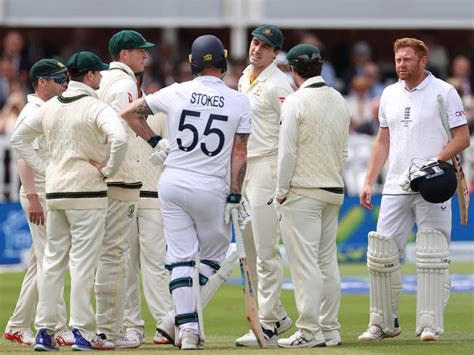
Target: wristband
(234, 198)
(154, 141)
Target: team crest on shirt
(130, 97)
(131, 211)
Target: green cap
(269, 34)
(304, 54)
(46, 67)
(127, 39)
(83, 61)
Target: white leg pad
(221, 276)
(197, 295)
(383, 262)
(433, 284)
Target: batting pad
(383, 262)
(433, 284)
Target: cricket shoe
(64, 338)
(191, 341)
(23, 336)
(298, 340)
(375, 333)
(334, 341)
(98, 342)
(125, 342)
(160, 339)
(250, 339)
(135, 334)
(167, 329)
(428, 334)
(45, 342)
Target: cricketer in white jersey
(208, 127)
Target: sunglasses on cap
(57, 79)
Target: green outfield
(225, 320)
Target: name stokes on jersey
(206, 100)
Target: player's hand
(244, 213)
(415, 170)
(100, 167)
(35, 210)
(365, 197)
(160, 152)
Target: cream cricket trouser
(75, 236)
(112, 271)
(262, 237)
(148, 254)
(25, 308)
(309, 229)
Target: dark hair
(308, 70)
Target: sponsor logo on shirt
(281, 98)
(459, 114)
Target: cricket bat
(462, 189)
(249, 297)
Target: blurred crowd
(351, 68)
(360, 78)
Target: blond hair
(419, 46)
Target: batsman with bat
(418, 148)
(209, 125)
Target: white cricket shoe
(283, 325)
(428, 334)
(135, 334)
(298, 340)
(191, 341)
(160, 339)
(334, 342)
(167, 329)
(22, 336)
(375, 333)
(64, 338)
(124, 342)
(250, 339)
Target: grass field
(224, 320)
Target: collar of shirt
(264, 74)
(208, 78)
(421, 85)
(122, 66)
(33, 99)
(312, 80)
(76, 88)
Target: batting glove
(160, 152)
(244, 213)
(415, 170)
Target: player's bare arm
(378, 157)
(135, 114)
(238, 163)
(460, 142)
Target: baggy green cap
(302, 54)
(127, 39)
(270, 34)
(46, 67)
(83, 61)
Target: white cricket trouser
(75, 236)
(148, 254)
(112, 271)
(398, 214)
(309, 229)
(25, 308)
(192, 208)
(262, 237)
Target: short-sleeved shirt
(266, 93)
(414, 120)
(203, 117)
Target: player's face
(261, 54)
(95, 79)
(135, 59)
(56, 86)
(408, 64)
